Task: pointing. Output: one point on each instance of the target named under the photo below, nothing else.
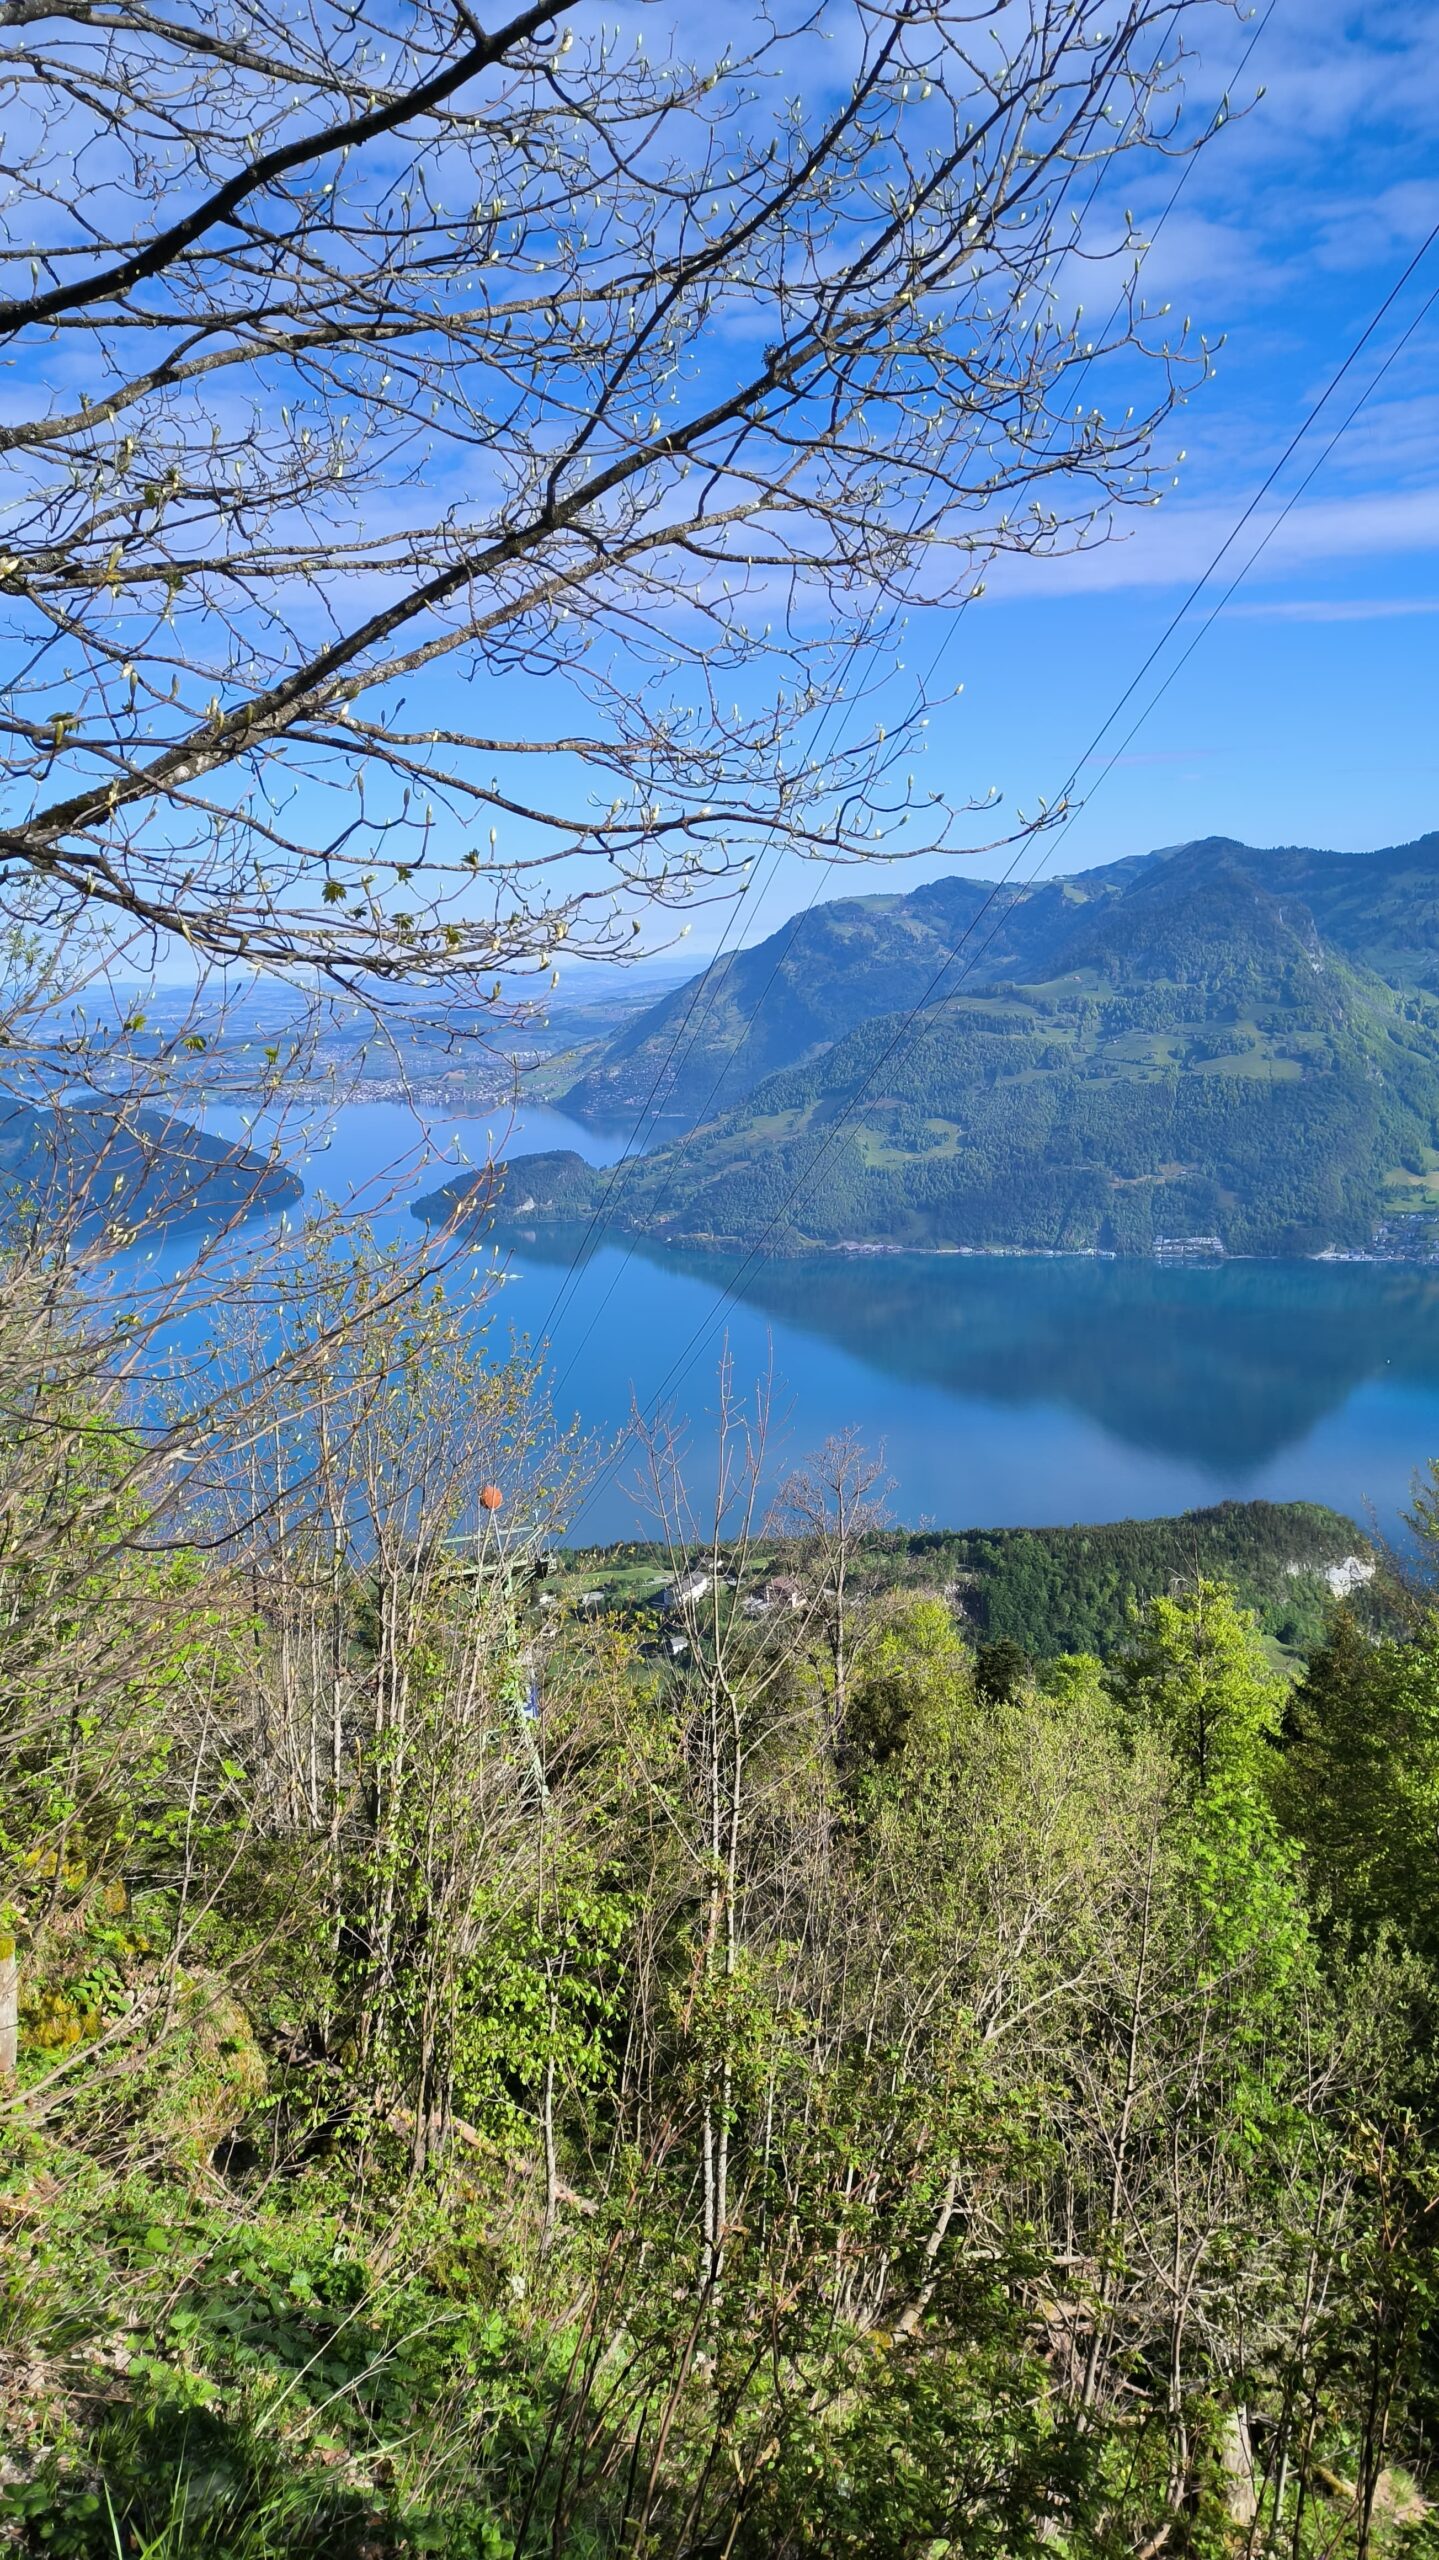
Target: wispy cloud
(1362, 233)
(1174, 545)
(1332, 608)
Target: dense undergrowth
(492, 2084)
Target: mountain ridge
(1189, 1044)
(701, 1047)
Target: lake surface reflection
(1034, 1391)
(1004, 1391)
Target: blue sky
(1307, 713)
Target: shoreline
(861, 1249)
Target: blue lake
(1001, 1391)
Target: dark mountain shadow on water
(1223, 1367)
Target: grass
(878, 1149)
(1410, 1190)
(1253, 1066)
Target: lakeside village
(1284, 1558)
(1409, 1239)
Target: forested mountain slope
(1197, 1058)
(707, 1043)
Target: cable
(602, 1213)
(1173, 625)
(1262, 545)
(565, 1288)
(945, 645)
(669, 1065)
(902, 1036)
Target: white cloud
(1173, 545)
(1332, 608)
(1328, 172)
(1366, 230)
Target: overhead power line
(906, 1031)
(602, 1215)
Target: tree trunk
(9, 2008)
(1236, 2461)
